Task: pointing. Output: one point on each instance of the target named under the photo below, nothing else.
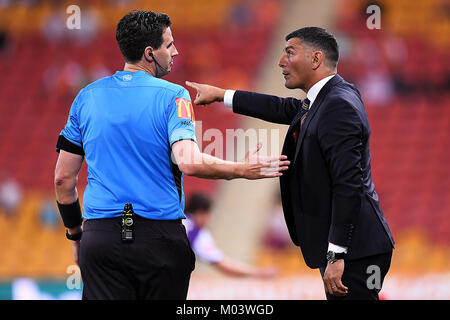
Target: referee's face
(295, 65)
(165, 54)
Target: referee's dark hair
(319, 39)
(138, 30)
(197, 202)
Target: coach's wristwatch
(333, 256)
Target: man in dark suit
(329, 201)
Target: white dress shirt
(315, 89)
(311, 95)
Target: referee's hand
(260, 167)
(206, 94)
(75, 244)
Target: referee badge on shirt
(185, 109)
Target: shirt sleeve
(181, 118)
(335, 248)
(70, 138)
(72, 129)
(228, 98)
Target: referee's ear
(148, 54)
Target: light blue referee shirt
(126, 125)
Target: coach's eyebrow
(289, 48)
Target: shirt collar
(315, 89)
(136, 73)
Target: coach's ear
(317, 59)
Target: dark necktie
(303, 113)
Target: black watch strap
(333, 256)
(74, 237)
(341, 255)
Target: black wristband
(70, 214)
(74, 237)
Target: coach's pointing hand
(206, 94)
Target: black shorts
(156, 265)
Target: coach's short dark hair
(319, 39)
(197, 202)
(138, 30)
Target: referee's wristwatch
(74, 237)
(332, 256)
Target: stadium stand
(410, 130)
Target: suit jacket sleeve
(266, 107)
(340, 138)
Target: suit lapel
(295, 121)
(314, 107)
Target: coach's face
(296, 64)
(165, 53)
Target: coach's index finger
(196, 86)
(193, 85)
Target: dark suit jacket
(327, 193)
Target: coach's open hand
(206, 94)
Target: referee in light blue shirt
(110, 120)
(129, 127)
